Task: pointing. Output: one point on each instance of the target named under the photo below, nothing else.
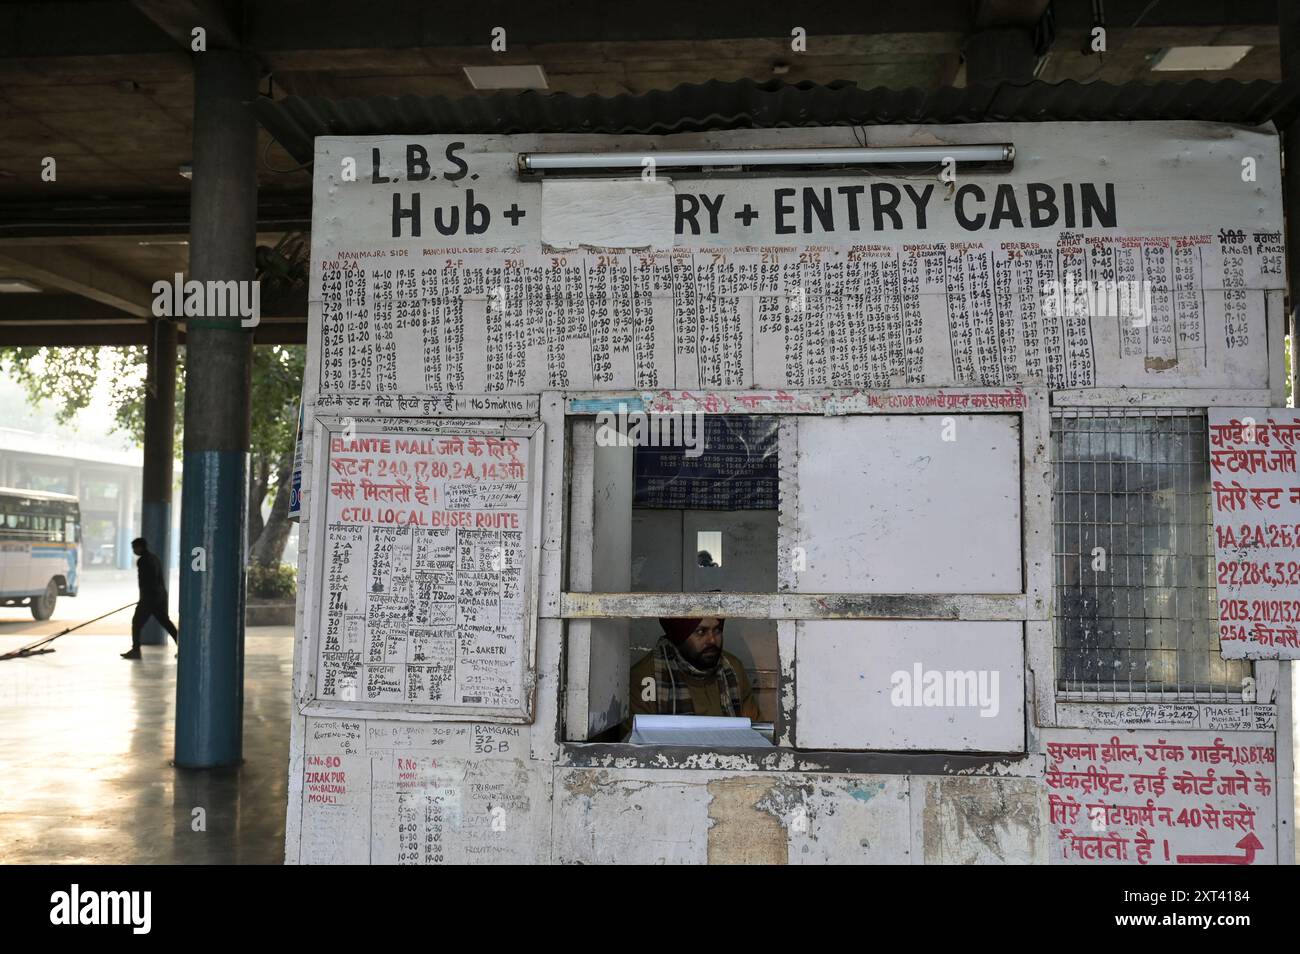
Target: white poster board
(919, 685)
(426, 567)
(1255, 494)
(917, 481)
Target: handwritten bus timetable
(1161, 798)
(1256, 499)
(425, 570)
(938, 313)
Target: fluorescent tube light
(1003, 152)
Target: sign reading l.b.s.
(445, 201)
(467, 192)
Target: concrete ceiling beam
(34, 308)
(178, 18)
(53, 267)
(117, 335)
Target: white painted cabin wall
(721, 809)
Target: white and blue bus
(40, 549)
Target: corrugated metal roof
(295, 121)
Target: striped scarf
(671, 674)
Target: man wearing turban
(687, 673)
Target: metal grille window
(1136, 608)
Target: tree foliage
(67, 378)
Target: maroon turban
(679, 630)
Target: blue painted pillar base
(156, 528)
(210, 675)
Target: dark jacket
(153, 589)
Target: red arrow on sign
(1250, 843)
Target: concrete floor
(87, 738)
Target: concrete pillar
(122, 555)
(156, 485)
(223, 233)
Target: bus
(40, 549)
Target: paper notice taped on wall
(624, 213)
(1256, 505)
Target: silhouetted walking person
(153, 596)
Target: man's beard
(706, 660)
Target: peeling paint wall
(970, 821)
(654, 817)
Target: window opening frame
(1032, 606)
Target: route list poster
(425, 569)
(1256, 499)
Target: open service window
(852, 571)
(426, 532)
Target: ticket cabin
(955, 505)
